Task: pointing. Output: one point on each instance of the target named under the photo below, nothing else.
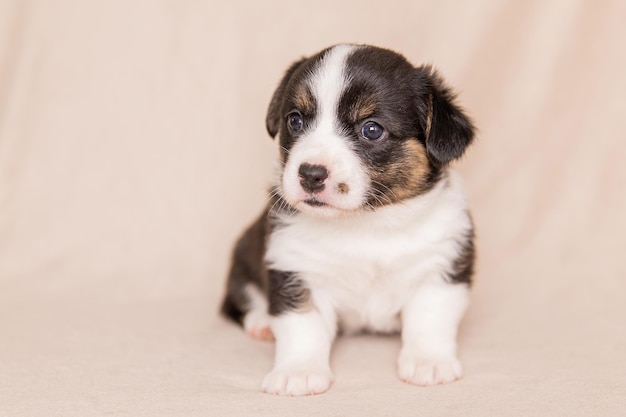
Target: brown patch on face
(405, 177)
(363, 108)
(343, 188)
(304, 100)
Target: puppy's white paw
(426, 371)
(298, 382)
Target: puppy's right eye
(372, 131)
(295, 122)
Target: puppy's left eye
(372, 131)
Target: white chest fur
(367, 265)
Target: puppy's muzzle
(312, 177)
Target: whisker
(393, 194)
(271, 210)
(396, 199)
(376, 198)
(275, 194)
(280, 205)
(379, 198)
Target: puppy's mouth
(320, 208)
(314, 202)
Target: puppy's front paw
(298, 382)
(426, 371)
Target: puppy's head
(360, 127)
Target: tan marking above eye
(304, 100)
(363, 108)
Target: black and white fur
(367, 228)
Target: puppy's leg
(429, 327)
(303, 343)
(301, 365)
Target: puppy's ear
(274, 112)
(448, 130)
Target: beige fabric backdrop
(133, 151)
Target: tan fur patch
(406, 177)
(363, 108)
(343, 188)
(304, 99)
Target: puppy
(367, 228)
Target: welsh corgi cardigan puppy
(366, 228)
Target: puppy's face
(359, 128)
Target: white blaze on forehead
(325, 144)
(328, 83)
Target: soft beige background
(133, 151)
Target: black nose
(312, 177)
